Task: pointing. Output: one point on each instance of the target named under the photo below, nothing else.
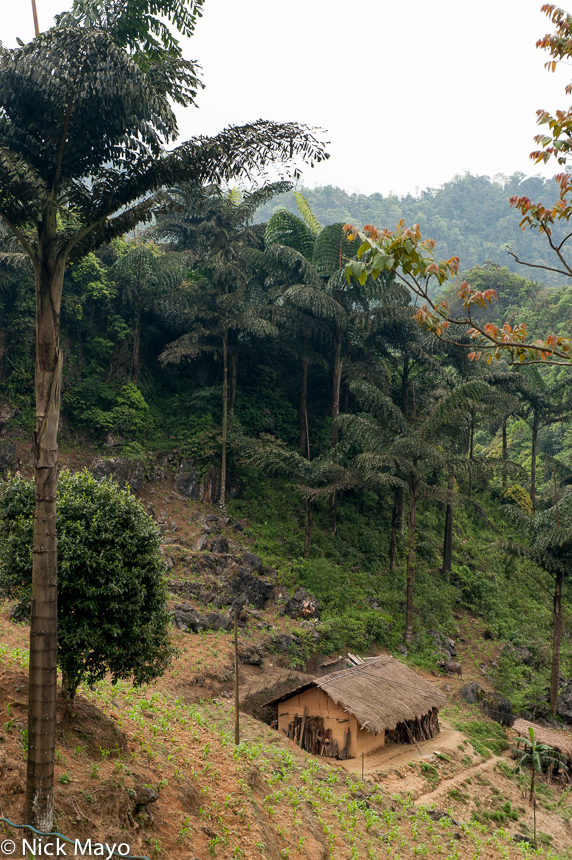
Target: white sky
(409, 94)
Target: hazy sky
(409, 95)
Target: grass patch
(487, 738)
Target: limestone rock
(302, 604)
(250, 590)
(122, 470)
(249, 653)
(8, 458)
(519, 653)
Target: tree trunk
(405, 410)
(556, 638)
(411, 561)
(471, 449)
(504, 454)
(533, 463)
(308, 528)
(222, 501)
(69, 687)
(136, 346)
(393, 538)
(233, 371)
(448, 539)
(39, 808)
(303, 441)
(336, 381)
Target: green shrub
(112, 599)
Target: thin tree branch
(22, 239)
(538, 265)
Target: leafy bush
(95, 405)
(112, 600)
(517, 495)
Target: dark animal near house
(451, 668)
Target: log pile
(316, 740)
(421, 729)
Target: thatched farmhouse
(357, 710)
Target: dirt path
(447, 783)
(397, 755)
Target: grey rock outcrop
(251, 562)
(470, 692)
(203, 489)
(564, 707)
(249, 653)
(188, 619)
(7, 411)
(284, 642)
(122, 470)
(302, 604)
(519, 653)
(445, 644)
(250, 590)
(8, 458)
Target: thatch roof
(379, 694)
(558, 739)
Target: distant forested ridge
(469, 217)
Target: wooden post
(411, 735)
(236, 718)
(362, 766)
(35, 14)
(303, 725)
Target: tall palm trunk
(556, 639)
(393, 537)
(308, 528)
(49, 272)
(411, 559)
(504, 453)
(222, 500)
(135, 361)
(303, 440)
(471, 449)
(448, 537)
(533, 459)
(233, 373)
(336, 382)
(404, 409)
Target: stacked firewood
(316, 740)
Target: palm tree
(397, 452)
(549, 546)
(86, 118)
(536, 755)
(303, 334)
(311, 478)
(222, 301)
(144, 274)
(325, 293)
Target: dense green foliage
(410, 408)
(112, 600)
(468, 217)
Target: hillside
(383, 494)
(469, 217)
(157, 769)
